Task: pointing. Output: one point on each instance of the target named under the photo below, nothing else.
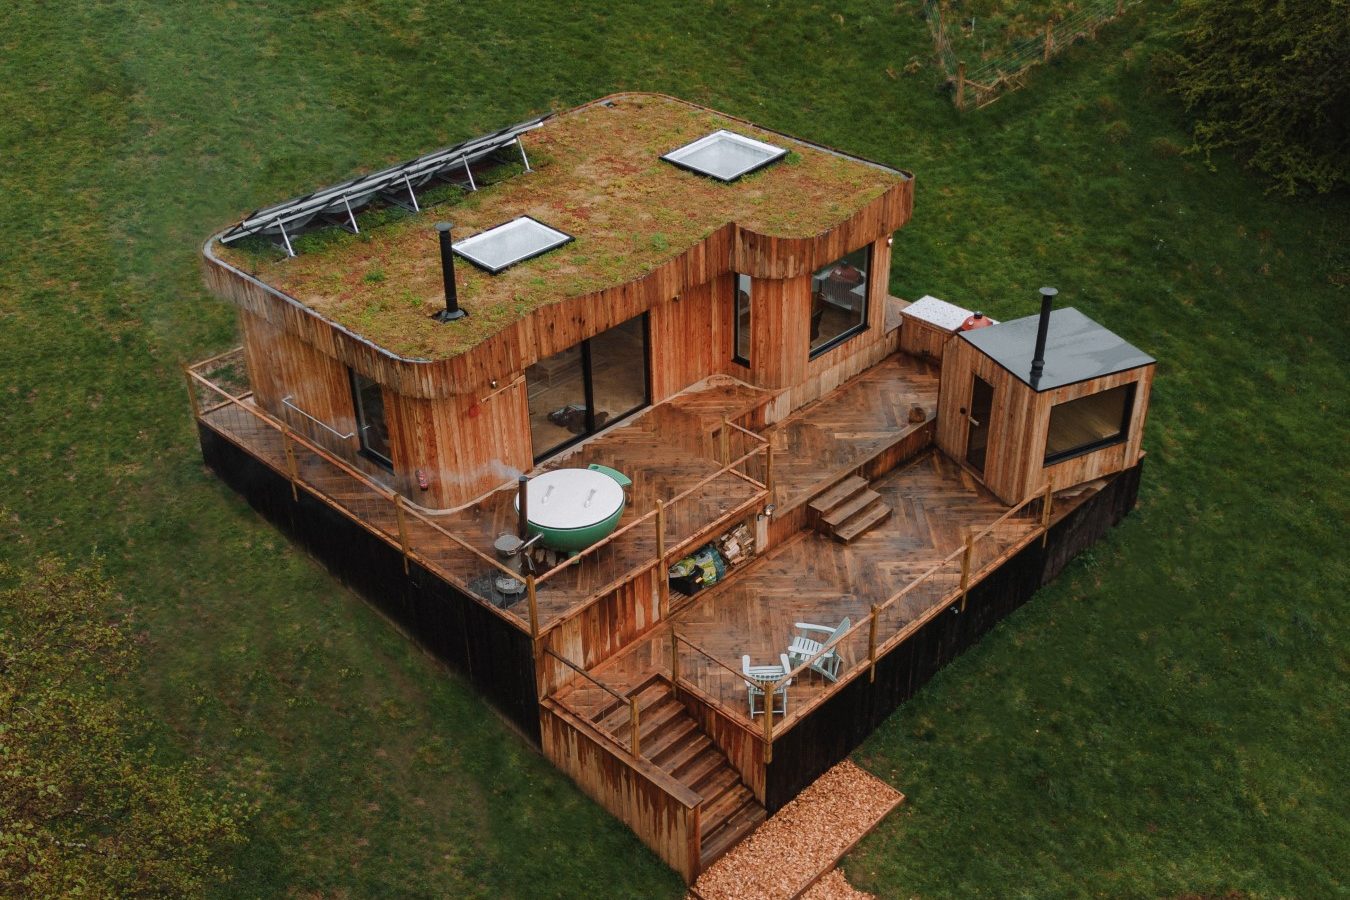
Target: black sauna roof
(1076, 349)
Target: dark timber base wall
(492, 654)
(841, 723)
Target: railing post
(965, 570)
(192, 394)
(961, 85)
(633, 724)
(872, 647)
(768, 469)
(288, 446)
(534, 607)
(769, 691)
(402, 518)
(726, 441)
(674, 658)
(1045, 513)
(662, 574)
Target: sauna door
(977, 433)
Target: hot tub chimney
(1042, 330)
(522, 491)
(452, 310)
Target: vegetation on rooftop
(598, 176)
(1165, 720)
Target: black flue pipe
(1042, 331)
(452, 310)
(522, 492)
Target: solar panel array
(344, 200)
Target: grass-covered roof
(599, 177)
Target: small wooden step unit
(848, 509)
(671, 740)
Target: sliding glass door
(583, 389)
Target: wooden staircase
(671, 739)
(848, 509)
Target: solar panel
(505, 245)
(342, 201)
(725, 155)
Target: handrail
(286, 402)
(740, 676)
(587, 675)
(217, 358)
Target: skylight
(725, 155)
(516, 241)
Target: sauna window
(371, 426)
(741, 323)
(1089, 423)
(839, 300)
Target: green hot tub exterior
(574, 540)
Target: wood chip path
(803, 841)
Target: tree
(1270, 81)
(85, 808)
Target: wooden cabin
(644, 287)
(777, 277)
(1077, 416)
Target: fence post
(961, 85)
(872, 647)
(192, 394)
(1045, 513)
(769, 691)
(662, 574)
(633, 724)
(291, 465)
(1120, 7)
(726, 441)
(1049, 39)
(534, 609)
(768, 469)
(674, 658)
(965, 569)
(402, 518)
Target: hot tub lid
(572, 498)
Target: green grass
(1167, 718)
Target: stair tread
(716, 783)
(679, 755)
(716, 812)
(831, 498)
(680, 730)
(738, 826)
(700, 766)
(874, 515)
(841, 513)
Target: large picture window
(1089, 423)
(839, 300)
(741, 323)
(370, 422)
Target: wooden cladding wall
(463, 446)
(600, 630)
(1019, 421)
(923, 339)
(663, 813)
(564, 324)
(690, 337)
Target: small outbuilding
(1054, 398)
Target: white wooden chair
(803, 648)
(757, 678)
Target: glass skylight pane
(725, 155)
(504, 246)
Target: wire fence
(984, 81)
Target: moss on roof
(599, 177)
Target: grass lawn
(1168, 718)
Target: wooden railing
(864, 642)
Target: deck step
(836, 495)
(862, 522)
(738, 817)
(844, 511)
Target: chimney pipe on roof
(452, 310)
(1042, 330)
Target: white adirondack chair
(757, 678)
(803, 648)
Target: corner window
(371, 427)
(741, 323)
(1089, 423)
(839, 300)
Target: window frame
(1121, 436)
(358, 408)
(848, 333)
(736, 355)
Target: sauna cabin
(591, 263)
(1052, 398)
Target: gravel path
(802, 840)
